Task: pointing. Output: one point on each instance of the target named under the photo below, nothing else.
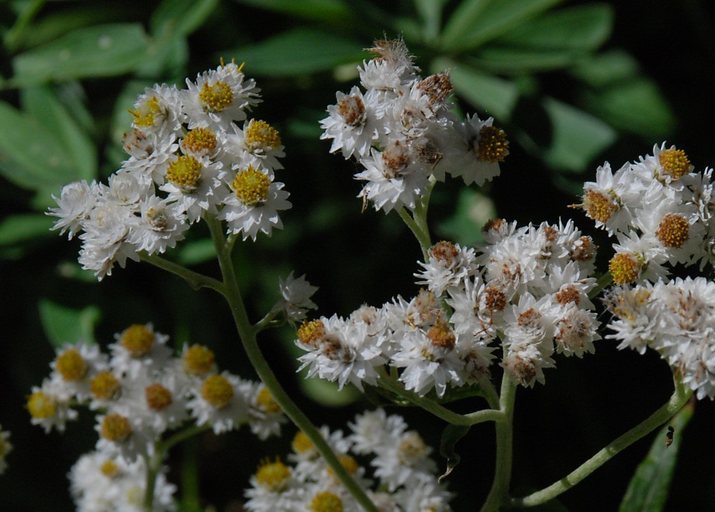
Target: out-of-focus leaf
(167, 56)
(582, 28)
(30, 156)
(21, 228)
(103, 50)
(66, 325)
(635, 106)
(606, 68)
(494, 95)
(42, 104)
(182, 16)
(648, 489)
(73, 98)
(298, 51)
(473, 210)
(518, 60)
(330, 11)
(326, 393)
(576, 136)
(475, 22)
(447, 446)
(431, 13)
(72, 270)
(195, 252)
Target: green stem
(418, 230)
(13, 37)
(247, 334)
(499, 492)
(677, 401)
(195, 279)
(438, 410)
(604, 280)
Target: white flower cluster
(188, 158)
(403, 480)
(403, 134)
(677, 319)
(100, 482)
(5, 448)
(659, 211)
(141, 391)
(527, 286)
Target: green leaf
(103, 50)
(451, 435)
(472, 211)
(31, 156)
(298, 51)
(576, 137)
(330, 11)
(648, 489)
(43, 104)
(581, 28)
(494, 95)
(195, 252)
(182, 16)
(635, 106)
(67, 325)
(431, 13)
(326, 393)
(498, 59)
(20, 228)
(606, 68)
(475, 22)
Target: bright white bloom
(351, 123)
(158, 110)
(74, 205)
(48, 409)
(448, 265)
(296, 293)
(218, 401)
(159, 226)
(265, 416)
(73, 369)
(139, 350)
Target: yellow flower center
(598, 206)
(261, 136)
(105, 386)
(493, 146)
(675, 162)
(348, 462)
(201, 141)
(157, 397)
(41, 405)
(673, 230)
(251, 186)
(273, 476)
(71, 365)
(326, 502)
(302, 444)
(311, 331)
(217, 97)
(137, 339)
(115, 428)
(198, 360)
(185, 173)
(624, 268)
(109, 468)
(266, 402)
(441, 335)
(145, 115)
(217, 391)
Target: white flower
(192, 184)
(73, 369)
(218, 401)
(5, 448)
(257, 144)
(374, 431)
(74, 205)
(158, 110)
(448, 265)
(159, 226)
(475, 156)
(296, 293)
(265, 416)
(48, 409)
(139, 350)
(351, 123)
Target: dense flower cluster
(403, 474)
(140, 391)
(658, 209)
(403, 134)
(677, 319)
(187, 158)
(527, 286)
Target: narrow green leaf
(494, 95)
(518, 60)
(30, 156)
(326, 393)
(20, 228)
(103, 50)
(451, 435)
(42, 103)
(584, 27)
(330, 11)
(431, 13)
(195, 252)
(182, 16)
(606, 68)
(66, 325)
(648, 489)
(635, 106)
(473, 23)
(298, 51)
(576, 137)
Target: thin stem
(422, 236)
(438, 410)
(498, 494)
(247, 334)
(604, 280)
(195, 279)
(677, 401)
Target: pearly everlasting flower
(74, 205)
(352, 123)
(265, 416)
(73, 370)
(5, 449)
(48, 409)
(296, 293)
(217, 401)
(139, 350)
(448, 265)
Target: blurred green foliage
(550, 73)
